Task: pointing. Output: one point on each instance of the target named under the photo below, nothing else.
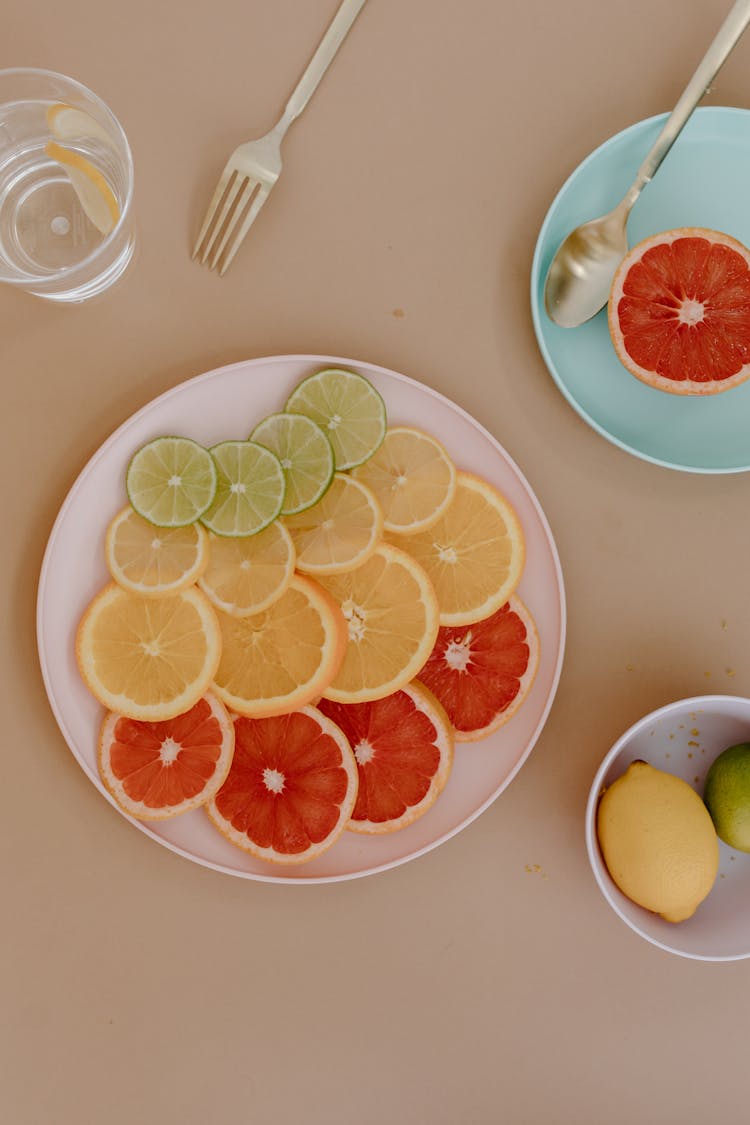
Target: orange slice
(291, 788)
(413, 479)
(392, 617)
(338, 533)
(154, 561)
(159, 770)
(248, 574)
(94, 193)
(279, 660)
(148, 658)
(403, 746)
(474, 554)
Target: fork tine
(236, 197)
(252, 214)
(241, 201)
(216, 198)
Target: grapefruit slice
(159, 770)
(391, 616)
(281, 659)
(148, 658)
(291, 788)
(473, 555)
(482, 673)
(679, 311)
(403, 746)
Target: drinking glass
(66, 187)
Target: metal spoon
(580, 275)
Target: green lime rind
(171, 481)
(249, 491)
(306, 456)
(347, 408)
(726, 795)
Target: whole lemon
(727, 795)
(658, 841)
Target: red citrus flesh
(679, 311)
(291, 788)
(482, 673)
(403, 746)
(156, 770)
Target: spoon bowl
(580, 275)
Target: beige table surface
(467, 986)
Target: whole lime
(727, 796)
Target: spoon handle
(726, 37)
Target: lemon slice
(306, 457)
(347, 407)
(154, 561)
(338, 533)
(70, 124)
(171, 481)
(248, 574)
(413, 479)
(249, 490)
(93, 191)
(474, 554)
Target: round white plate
(228, 403)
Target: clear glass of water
(66, 187)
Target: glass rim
(68, 271)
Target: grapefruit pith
(291, 788)
(403, 746)
(156, 770)
(482, 673)
(679, 311)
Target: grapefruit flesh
(482, 673)
(156, 770)
(403, 746)
(291, 788)
(679, 312)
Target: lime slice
(306, 456)
(171, 481)
(249, 489)
(347, 407)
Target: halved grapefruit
(403, 746)
(679, 311)
(482, 673)
(291, 788)
(158, 770)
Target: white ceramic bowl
(683, 738)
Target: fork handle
(319, 63)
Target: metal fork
(254, 167)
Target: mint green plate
(704, 182)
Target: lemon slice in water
(93, 191)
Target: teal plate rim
(597, 174)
